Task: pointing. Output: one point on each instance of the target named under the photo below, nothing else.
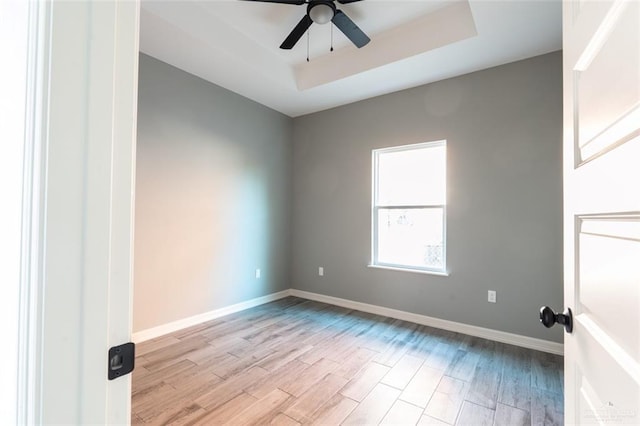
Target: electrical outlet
(258, 273)
(321, 271)
(492, 296)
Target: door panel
(608, 99)
(608, 267)
(601, 49)
(608, 393)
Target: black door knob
(548, 318)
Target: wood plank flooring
(295, 361)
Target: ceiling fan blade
(294, 2)
(347, 1)
(350, 29)
(297, 32)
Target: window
(409, 207)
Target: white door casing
(79, 253)
(14, 18)
(601, 42)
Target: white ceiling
(235, 44)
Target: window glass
(412, 177)
(409, 207)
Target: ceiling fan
(322, 12)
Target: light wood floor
(295, 361)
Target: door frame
(14, 34)
(77, 211)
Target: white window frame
(375, 207)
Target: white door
(78, 210)
(602, 210)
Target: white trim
(83, 127)
(33, 230)
(417, 271)
(124, 106)
(14, 86)
(376, 207)
(411, 146)
(161, 330)
(471, 330)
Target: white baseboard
(161, 330)
(472, 330)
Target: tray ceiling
(235, 43)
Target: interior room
(264, 199)
(265, 211)
(321, 212)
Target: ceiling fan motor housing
(321, 11)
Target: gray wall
(504, 132)
(215, 182)
(213, 190)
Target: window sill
(416, 271)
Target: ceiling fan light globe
(321, 14)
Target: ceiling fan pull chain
(308, 35)
(331, 50)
